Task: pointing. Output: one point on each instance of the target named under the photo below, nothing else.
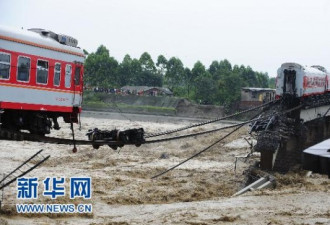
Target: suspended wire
(213, 144)
(197, 134)
(197, 154)
(221, 128)
(209, 121)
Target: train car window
(23, 69)
(77, 76)
(57, 74)
(4, 66)
(42, 72)
(68, 72)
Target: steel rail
(54, 140)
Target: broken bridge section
(282, 145)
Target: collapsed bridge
(281, 140)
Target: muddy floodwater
(198, 192)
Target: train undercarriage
(36, 122)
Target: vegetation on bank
(219, 83)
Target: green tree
(147, 78)
(136, 70)
(126, 71)
(198, 70)
(101, 69)
(147, 64)
(272, 82)
(248, 76)
(262, 79)
(174, 76)
(225, 66)
(188, 81)
(214, 67)
(230, 89)
(206, 91)
(161, 65)
(220, 69)
(200, 82)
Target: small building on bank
(146, 90)
(252, 97)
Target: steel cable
(213, 144)
(209, 121)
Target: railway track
(98, 138)
(112, 138)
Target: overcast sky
(260, 33)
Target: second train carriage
(41, 79)
(302, 81)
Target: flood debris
(263, 182)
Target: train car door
(77, 82)
(289, 86)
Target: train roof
(37, 39)
(315, 69)
(309, 69)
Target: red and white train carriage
(303, 82)
(41, 76)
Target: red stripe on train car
(36, 107)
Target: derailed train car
(41, 79)
(302, 81)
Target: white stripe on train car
(32, 50)
(42, 97)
